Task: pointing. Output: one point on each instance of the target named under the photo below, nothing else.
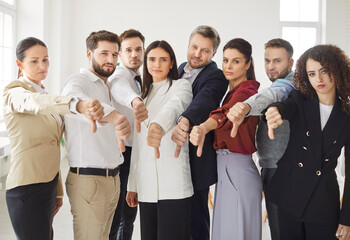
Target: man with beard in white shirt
(93, 180)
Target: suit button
(307, 133)
(219, 120)
(335, 141)
(326, 160)
(304, 148)
(318, 173)
(53, 142)
(300, 164)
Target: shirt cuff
(220, 119)
(73, 105)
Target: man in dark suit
(208, 86)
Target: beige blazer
(34, 132)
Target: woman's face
(234, 66)
(159, 64)
(319, 78)
(35, 63)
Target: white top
(87, 149)
(191, 75)
(167, 177)
(325, 112)
(124, 89)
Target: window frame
(318, 25)
(8, 9)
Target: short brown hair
(280, 43)
(103, 35)
(130, 34)
(208, 32)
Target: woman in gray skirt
(237, 209)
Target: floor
(63, 223)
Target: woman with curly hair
(305, 186)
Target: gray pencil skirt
(237, 204)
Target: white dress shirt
(87, 149)
(191, 75)
(124, 89)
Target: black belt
(96, 171)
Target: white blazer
(167, 177)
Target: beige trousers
(93, 201)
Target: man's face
(200, 51)
(104, 58)
(277, 63)
(131, 53)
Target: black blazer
(305, 183)
(208, 89)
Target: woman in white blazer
(158, 181)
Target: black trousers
(272, 210)
(31, 209)
(293, 229)
(124, 216)
(200, 219)
(166, 220)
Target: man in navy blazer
(208, 86)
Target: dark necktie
(138, 79)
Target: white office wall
(65, 24)
(30, 19)
(337, 23)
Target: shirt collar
(133, 74)
(290, 74)
(93, 77)
(34, 85)
(191, 72)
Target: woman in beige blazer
(159, 181)
(35, 128)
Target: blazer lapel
(198, 79)
(28, 85)
(181, 69)
(334, 126)
(156, 103)
(313, 125)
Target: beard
(281, 75)
(200, 64)
(99, 70)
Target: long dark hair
(245, 48)
(335, 61)
(23, 45)
(147, 77)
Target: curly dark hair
(335, 61)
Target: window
(7, 46)
(301, 24)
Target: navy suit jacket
(305, 183)
(208, 89)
